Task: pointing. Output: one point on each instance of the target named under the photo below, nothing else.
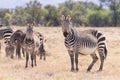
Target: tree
(4, 15)
(33, 8)
(52, 17)
(7, 19)
(114, 6)
(79, 12)
(98, 18)
(20, 16)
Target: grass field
(57, 65)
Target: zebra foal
(83, 42)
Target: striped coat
(83, 42)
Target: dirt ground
(57, 65)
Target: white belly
(87, 51)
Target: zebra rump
(101, 39)
(5, 33)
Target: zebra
(5, 33)
(83, 42)
(42, 51)
(31, 45)
(17, 39)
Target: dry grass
(57, 66)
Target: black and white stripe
(42, 51)
(31, 45)
(83, 42)
(101, 40)
(5, 33)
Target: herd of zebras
(77, 42)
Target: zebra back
(17, 37)
(5, 33)
(101, 39)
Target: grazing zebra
(31, 45)
(84, 42)
(17, 40)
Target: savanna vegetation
(107, 13)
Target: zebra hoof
(77, 69)
(99, 70)
(25, 66)
(11, 57)
(40, 58)
(72, 69)
(88, 70)
(32, 65)
(44, 59)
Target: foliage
(98, 18)
(82, 13)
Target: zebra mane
(73, 30)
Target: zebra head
(65, 22)
(29, 32)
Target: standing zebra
(5, 33)
(16, 40)
(84, 42)
(31, 45)
(42, 51)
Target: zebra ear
(68, 18)
(62, 17)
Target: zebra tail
(105, 52)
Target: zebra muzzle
(65, 34)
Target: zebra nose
(65, 34)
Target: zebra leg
(18, 52)
(27, 57)
(12, 51)
(95, 58)
(44, 56)
(102, 61)
(76, 61)
(32, 57)
(23, 52)
(35, 59)
(44, 52)
(40, 55)
(0, 47)
(19, 55)
(72, 60)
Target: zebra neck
(70, 35)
